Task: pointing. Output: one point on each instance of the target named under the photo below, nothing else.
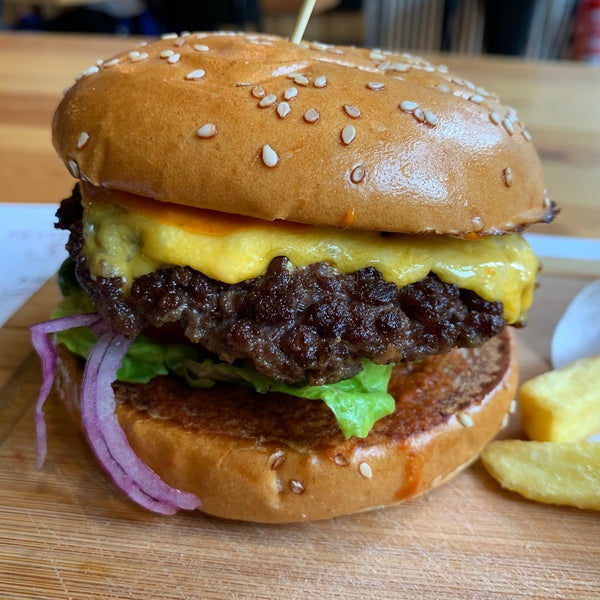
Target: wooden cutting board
(65, 532)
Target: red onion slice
(100, 423)
(108, 440)
(47, 353)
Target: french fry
(562, 405)
(553, 473)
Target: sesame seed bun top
(255, 125)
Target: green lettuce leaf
(357, 402)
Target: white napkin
(31, 251)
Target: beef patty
(311, 324)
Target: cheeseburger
(292, 271)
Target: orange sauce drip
(349, 218)
(473, 236)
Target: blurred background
(536, 29)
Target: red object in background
(586, 44)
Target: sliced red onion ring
(108, 440)
(47, 353)
(100, 423)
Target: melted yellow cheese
(128, 238)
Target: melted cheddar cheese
(128, 237)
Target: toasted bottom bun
(274, 458)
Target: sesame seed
(140, 56)
(365, 470)
(111, 63)
(419, 115)
(341, 460)
(269, 156)
(276, 459)
(495, 118)
(195, 75)
(169, 36)
(508, 125)
(348, 134)
(258, 91)
(526, 135)
(301, 80)
(290, 93)
(293, 75)
(267, 101)
(243, 83)
(338, 51)
(507, 177)
(283, 109)
(352, 111)
(179, 42)
(320, 82)
(296, 486)
(408, 106)
(376, 55)
(201, 48)
(311, 115)
(89, 71)
(478, 223)
(83, 139)
(73, 168)
(167, 53)
(477, 98)
(513, 407)
(376, 86)
(208, 130)
(358, 174)
(133, 55)
(430, 118)
(443, 87)
(174, 58)
(465, 419)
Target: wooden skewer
(302, 20)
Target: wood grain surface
(66, 533)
